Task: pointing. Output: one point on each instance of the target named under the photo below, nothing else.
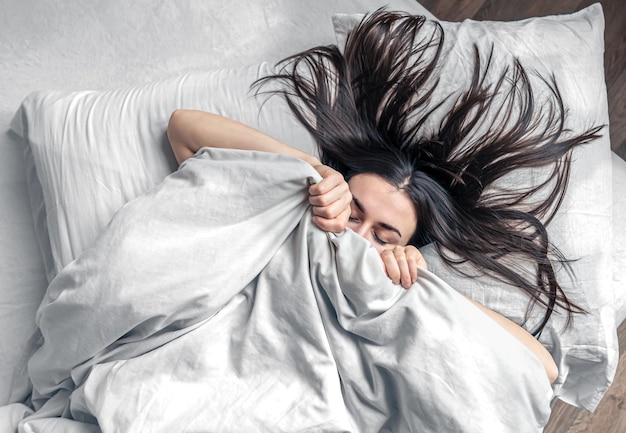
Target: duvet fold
(213, 304)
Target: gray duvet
(213, 304)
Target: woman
(373, 207)
(405, 188)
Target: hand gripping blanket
(213, 304)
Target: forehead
(383, 202)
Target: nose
(365, 231)
(361, 230)
(358, 227)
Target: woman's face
(381, 213)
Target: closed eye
(383, 225)
(379, 240)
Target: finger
(391, 266)
(413, 258)
(328, 175)
(336, 224)
(331, 179)
(333, 210)
(413, 271)
(329, 225)
(421, 262)
(329, 184)
(403, 266)
(415, 255)
(339, 193)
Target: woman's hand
(330, 199)
(401, 264)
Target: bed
(87, 92)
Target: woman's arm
(525, 338)
(190, 130)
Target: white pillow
(619, 236)
(571, 47)
(90, 152)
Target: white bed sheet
(73, 45)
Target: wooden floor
(610, 416)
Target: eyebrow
(386, 226)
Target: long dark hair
(367, 108)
